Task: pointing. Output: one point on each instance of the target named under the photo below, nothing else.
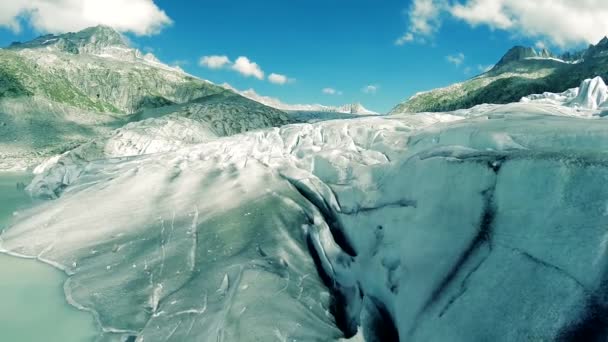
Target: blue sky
(346, 45)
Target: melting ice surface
(486, 225)
(34, 307)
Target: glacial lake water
(32, 302)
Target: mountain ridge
(89, 40)
(353, 108)
(95, 69)
(520, 72)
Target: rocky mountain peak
(519, 53)
(545, 53)
(100, 36)
(90, 40)
(597, 51)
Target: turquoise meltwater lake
(33, 305)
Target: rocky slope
(522, 71)
(166, 129)
(61, 91)
(95, 70)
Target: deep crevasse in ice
(425, 227)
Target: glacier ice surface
(485, 224)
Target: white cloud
(214, 62)
(370, 89)
(557, 22)
(477, 12)
(243, 66)
(456, 59)
(424, 20)
(561, 22)
(141, 17)
(279, 79)
(331, 91)
(406, 38)
(248, 68)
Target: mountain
(355, 108)
(61, 91)
(520, 72)
(519, 53)
(93, 40)
(95, 69)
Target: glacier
(480, 224)
(591, 97)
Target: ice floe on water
(485, 224)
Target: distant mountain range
(520, 72)
(355, 108)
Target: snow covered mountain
(522, 71)
(355, 108)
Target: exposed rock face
(599, 50)
(92, 40)
(95, 69)
(519, 53)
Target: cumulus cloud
(556, 22)
(370, 89)
(406, 38)
(331, 91)
(561, 22)
(248, 68)
(456, 59)
(214, 62)
(477, 12)
(279, 79)
(142, 17)
(244, 66)
(424, 20)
